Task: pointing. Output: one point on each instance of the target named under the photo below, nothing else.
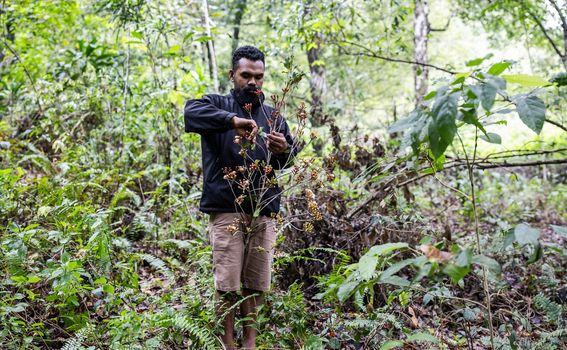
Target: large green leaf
(396, 267)
(526, 80)
(367, 266)
(346, 289)
(487, 95)
(487, 262)
(395, 281)
(382, 249)
(531, 110)
(455, 272)
(560, 230)
(525, 234)
(442, 127)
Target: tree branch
(373, 54)
(544, 31)
(564, 128)
(561, 16)
(489, 165)
(399, 181)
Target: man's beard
(248, 95)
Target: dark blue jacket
(210, 117)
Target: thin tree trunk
(421, 31)
(210, 48)
(317, 83)
(239, 13)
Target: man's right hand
(246, 128)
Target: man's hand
(276, 143)
(246, 128)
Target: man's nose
(252, 82)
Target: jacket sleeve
(285, 160)
(205, 116)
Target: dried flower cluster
(234, 227)
(312, 205)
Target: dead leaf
(414, 320)
(434, 254)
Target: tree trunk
(421, 31)
(317, 83)
(210, 48)
(238, 14)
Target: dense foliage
(441, 224)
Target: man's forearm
(202, 116)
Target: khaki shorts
(242, 256)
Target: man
(243, 243)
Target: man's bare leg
(226, 301)
(248, 308)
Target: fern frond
(76, 342)
(196, 331)
(159, 265)
(551, 309)
(547, 338)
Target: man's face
(247, 78)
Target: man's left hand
(276, 143)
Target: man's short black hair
(250, 52)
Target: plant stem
(477, 234)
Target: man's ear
(231, 74)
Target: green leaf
(367, 266)
(525, 234)
(314, 343)
(442, 127)
(422, 337)
(33, 279)
(383, 249)
(405, 123)
(497, 82)
(345, 290)
(469, 117)
(491, 264)
(392, 344)
(395, 281)
(487, 95)
(531, 110)
(107, 288)
(537, 254)
(203, 39)
(492, 138)
(560, 79)
(456, 273)
(498, 68)
(526, 80)
(396, 267)
(560, 230)
(474, 62)
(430, 95)
(465, 257)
